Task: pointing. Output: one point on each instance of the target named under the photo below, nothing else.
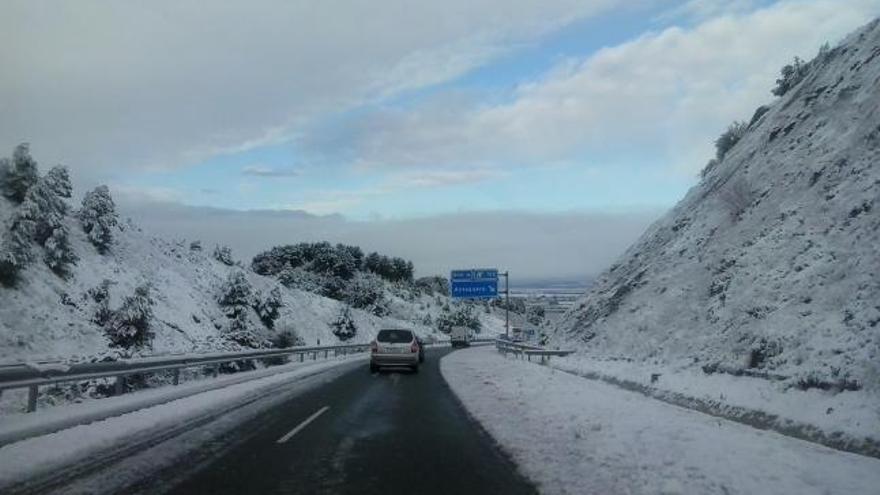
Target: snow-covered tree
(366, 291)
(224, 255)
(98, 217)
(18, 174)
(42, 211)
(59, 255)
(130, 325)
(268, 308)
(15, 254)
(40, 218)
(535, 314)
(235, 295)
(344, 327)
(298, 278)
(58, 180)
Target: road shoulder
(572, 435)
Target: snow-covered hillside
(45, 316)
(771, 264)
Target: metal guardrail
(34, 375)
(526, 351)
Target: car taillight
(414, 347)
(374, 347)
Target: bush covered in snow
(287, 337)
(129, 326)
(344, 327)
(98, 217)
(224, 255)
(790, 75)
(433, 285)
(729, 138)
(240, 331)
(459, 315)
(736, 196)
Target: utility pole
(506, 276)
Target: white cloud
(442, 178)
(665, 95)
(704, 9)
(105, 86)
(270, 172)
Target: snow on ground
(32, 457)
(848, 417)
(572, 435)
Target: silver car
(395, 347)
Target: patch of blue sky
(497, 81)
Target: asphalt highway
(363, 433)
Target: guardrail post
(326, 353)
(314, 355)
(119, 386)
(302, 357)
(33, 390)
(215, 370)
(177, 376)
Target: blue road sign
(473, 284)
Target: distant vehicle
(395, 347)
(517, 334)
(460, 337)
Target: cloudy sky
(540, 136)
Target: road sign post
(506, 276)
(480, 283)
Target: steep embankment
(771, 264)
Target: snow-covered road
(573, 435)
(29, 461)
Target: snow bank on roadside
(572, 435)
(35, 456)
(847, 420)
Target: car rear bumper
(395, 359)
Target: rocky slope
(770, 266)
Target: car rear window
(394, 336)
